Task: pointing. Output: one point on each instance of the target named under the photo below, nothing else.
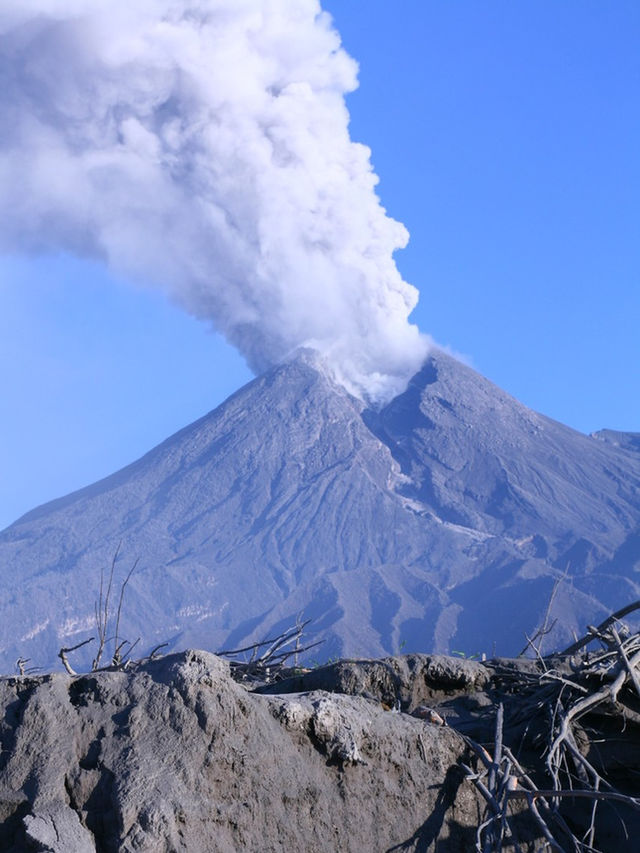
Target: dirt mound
(172, 754)
(423, 752)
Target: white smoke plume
(202, 146)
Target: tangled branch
(601, 684)
(268, 665)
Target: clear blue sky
(507, 139)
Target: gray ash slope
(439, 523)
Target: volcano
(452, 519)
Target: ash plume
(202, 147)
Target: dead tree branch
(103, 613)
(102, 609)
(62, 654)
(545, 628)
(569, 712)
(269, 665)
(23, 669)
(156, 649)
(120, 600)
(610, 620)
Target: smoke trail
(202, 146)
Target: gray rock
(403, 682)
(58, 830)
(173, 755)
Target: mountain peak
(404, 526)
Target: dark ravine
(441, 522)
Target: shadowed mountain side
(438, 523)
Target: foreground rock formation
(172, 754)
(416, 753)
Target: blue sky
(506, 137)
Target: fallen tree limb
(571, 717)
(579, 793)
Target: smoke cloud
(202, 146)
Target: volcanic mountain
(446, 521)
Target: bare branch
(62, 654)
(102, 609)
(124, 658)
(268, 665)
(122, 589)
(610, 620)
(589, 794)
(545, 628)
(20, 664)
(627, 663)
(156, 649)
(228, 653)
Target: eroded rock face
(173, 755)
(464, 695)
(397, 682)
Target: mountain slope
(438, 523)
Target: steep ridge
(479, 459)
(441, 522)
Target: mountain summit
(441, 522)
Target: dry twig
(269, 664)
(62, 654)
